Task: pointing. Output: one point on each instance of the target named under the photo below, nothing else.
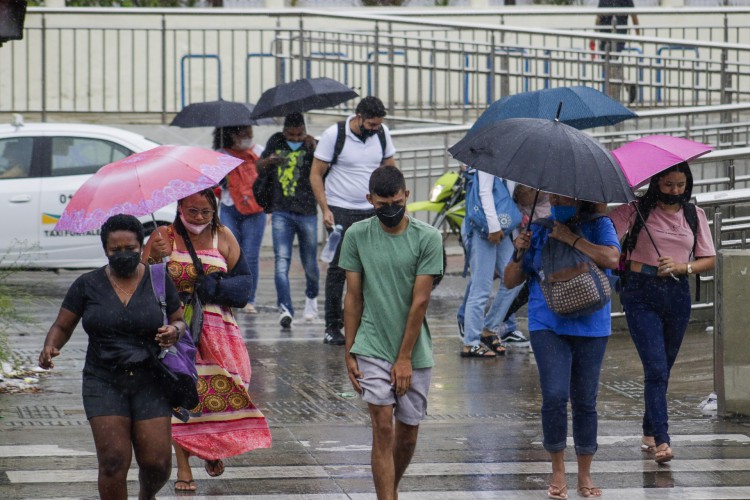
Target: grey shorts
(411, 408)
(139, 396)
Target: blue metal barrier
(182, 72)
(491, 68)
(658, 62)
(340, 55)
(369, 66)
(639, 71)
(254, 55)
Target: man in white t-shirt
(343, 196)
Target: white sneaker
(250, 309)
(285, 318)
(311, 309)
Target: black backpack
(341, 138)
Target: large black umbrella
(546, 155)
(302, 95)
(217, 114)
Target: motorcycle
(448, 201)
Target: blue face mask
(563, 213)
(294, 146)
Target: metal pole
(391, 72)
(376, 71)
(301, 48)
(718, 321)
(164, 71)
(277, 48)
(44, 68)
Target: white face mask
(194, 228)
(244, 144)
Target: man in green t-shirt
(390, 261)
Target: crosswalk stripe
(682, 439)
(415, 470)
(41, 450)
(681, 493)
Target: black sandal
(478, 351)
(494, 343)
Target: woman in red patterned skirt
(225, 423)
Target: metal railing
(424, 69)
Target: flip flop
(190, 485)
(589, 491)
(663, 455)
(646, 445)
(214, 468)
(558, 492)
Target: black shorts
(136, 394)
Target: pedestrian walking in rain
(490, 249)
(655, 289)
(346, 156)
(226, 422)
(615, 79)
(286, 161)
(123, 389)
(240, 212)
(568, 350)
(390, 261)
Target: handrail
(656, 113)
(357, 15)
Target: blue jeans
(569, 368)
(658, 311)
(248, 229)
(285, 225)
(485, 259)
(492, 319)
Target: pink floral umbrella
(647, 156)
(143, 183)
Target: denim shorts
(136, 394)
(411, 408)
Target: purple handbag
(178, 361)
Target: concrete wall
(731, 346)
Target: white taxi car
(41, 167)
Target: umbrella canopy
(142, 183)
(583, 107)
(647, 156)
(546, 155)
(302, 95)
(217, 114)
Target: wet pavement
(481, 439)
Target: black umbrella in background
(218, 114)
(302, 95)
(548, 156)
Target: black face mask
(124, 263)
(390, 215)
(669, 199)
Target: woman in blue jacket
(568, 351)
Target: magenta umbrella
(143, 183)
(647, 156)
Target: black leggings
(336, 277)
